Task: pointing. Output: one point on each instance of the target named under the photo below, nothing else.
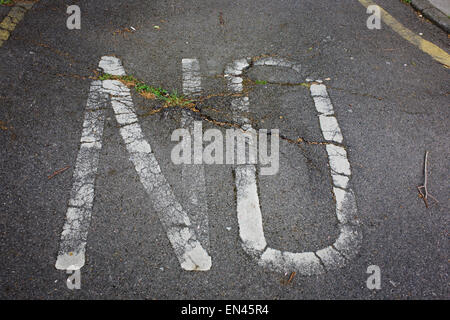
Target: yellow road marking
(426, 46)
(14, 16)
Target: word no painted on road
(187, 227)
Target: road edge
(432, 13)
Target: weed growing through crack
(260, 81)
(171, 99)
(6, 2)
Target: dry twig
(425, 194)
(58, 172)
(291, 277)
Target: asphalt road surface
(389, 104)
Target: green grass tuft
(170, 98)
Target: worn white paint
(189, 251)
(328, 122)
(193, 180)
(330, 129)
(232, 72)
(71, 255)
(318, 90)
(346, 210)
(274, 62)
(349, 241)
(323, 105)
(248, 207)
(339, 180)
(180, 231)
(331, 258)
(112, 65)
(192, 81)
(337, 158)
(304, 263)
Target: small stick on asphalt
(291, 277)
(424, 195)
(58, 172)
(222, 22)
